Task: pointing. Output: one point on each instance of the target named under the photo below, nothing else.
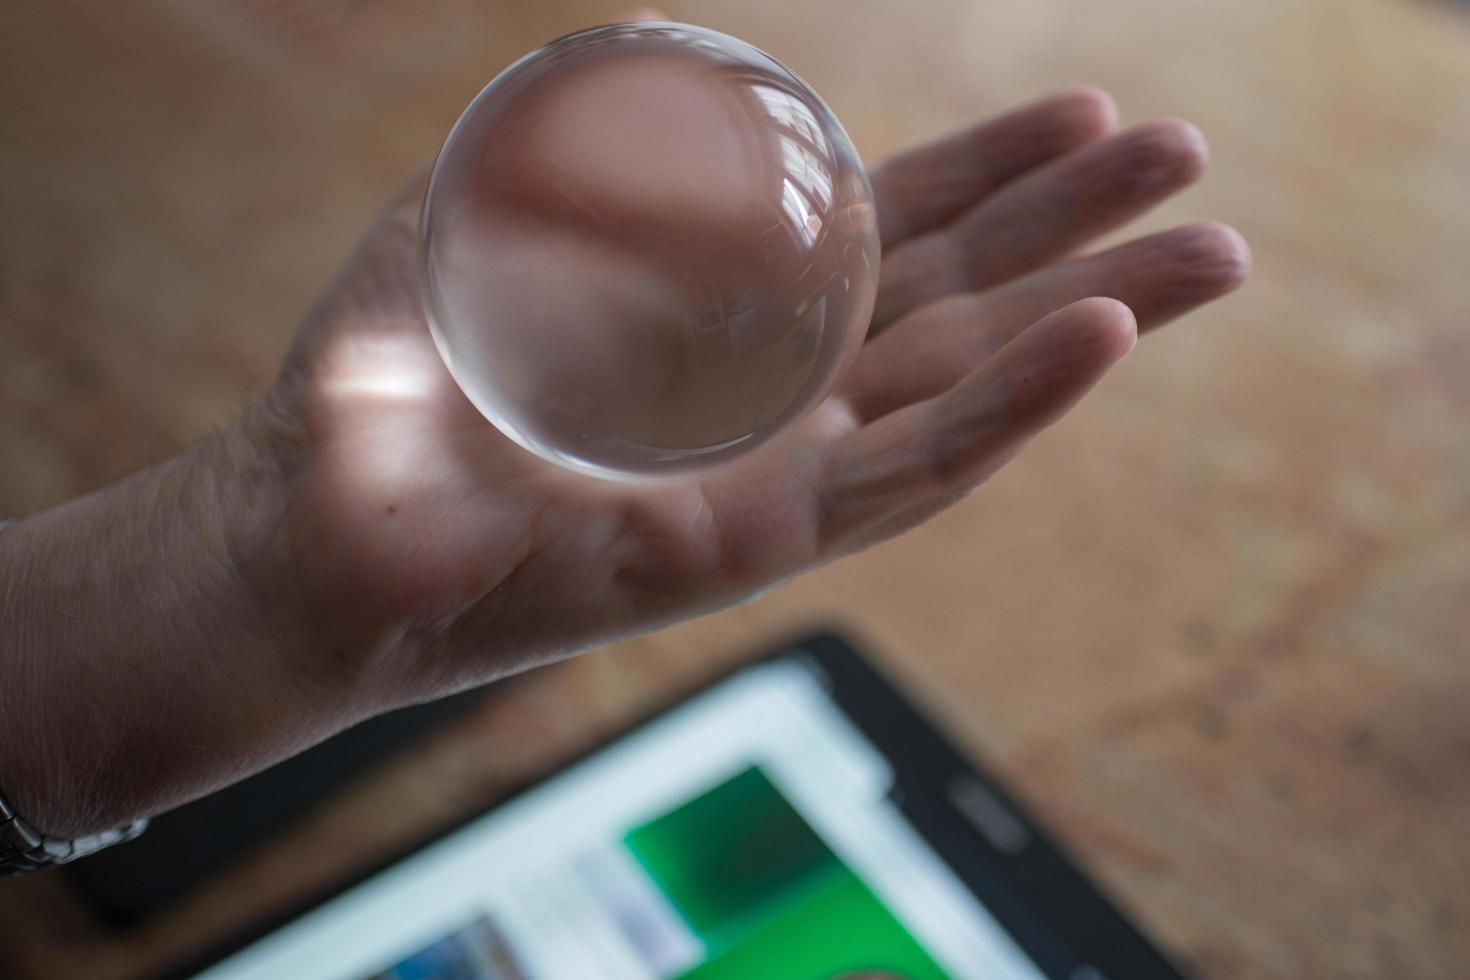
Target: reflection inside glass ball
(648, 247)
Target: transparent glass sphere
(647, 248)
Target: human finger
(898, 471)
(1159, 278)
(1044, 215)
(923, 188)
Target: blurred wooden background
(1216, 627)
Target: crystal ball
(648, 248)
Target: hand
(363, 538)
(433, 554)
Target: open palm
(445, 555)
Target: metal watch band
(22, 848)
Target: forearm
(149, 651)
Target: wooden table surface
(1216, 627)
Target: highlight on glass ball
(648, 248)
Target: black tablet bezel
(1017, 871)
(1028, 882)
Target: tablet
(795, 820)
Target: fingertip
(1185, 142)
(1033, 381)
(1155, 159)
(1197, 263)
(1231, 252)
(1103, 323)
(641, 14)
(1094, 108)
(1051, 365)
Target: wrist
(311, 575)
(157, 644)
(309, 594)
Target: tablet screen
(748, 833)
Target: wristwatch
(23, 848)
